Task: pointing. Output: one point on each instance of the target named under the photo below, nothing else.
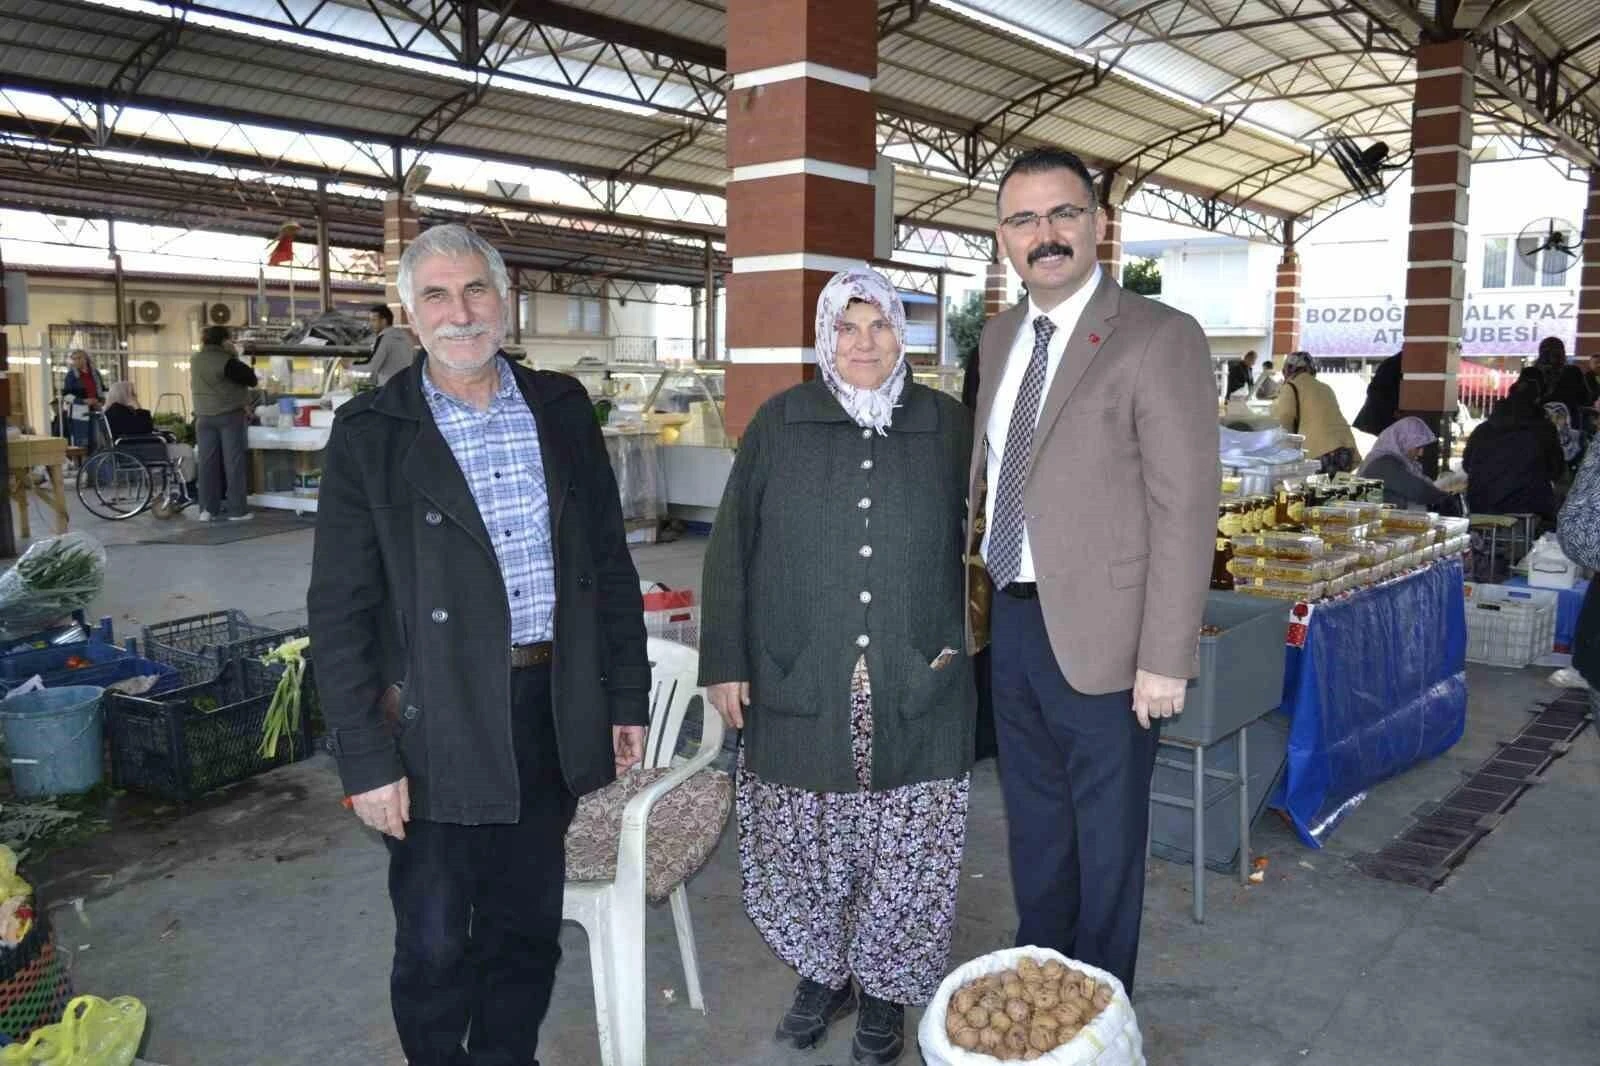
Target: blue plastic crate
(19, 666)
(74, 633)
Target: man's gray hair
(450, 240)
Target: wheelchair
(130, 475)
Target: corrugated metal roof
(1166, 69)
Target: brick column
(996, 290)
(400, 228)
(1286, 305)
(1441, 133)
(802, 145)
(1109, 251)
(1589, 291)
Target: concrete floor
(256, 927)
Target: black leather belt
(1022, 590)
(530, 654)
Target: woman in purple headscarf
(1395, 459)
(832, 631)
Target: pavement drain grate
(1442, 833)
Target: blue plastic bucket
(54, 740)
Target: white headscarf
(871, 408)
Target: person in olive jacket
(480, 650)
(832, 634)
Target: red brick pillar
(1109, 251)
(1441, 133)
(801, 147)
(400, 228)
(1589, 291)
(1286, 305)
(996, 290)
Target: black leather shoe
(815, 1006)
(880, 1032)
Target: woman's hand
(730, 698)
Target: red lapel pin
(1094, 338)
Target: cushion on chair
(684, 827)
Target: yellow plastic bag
(93, 1032)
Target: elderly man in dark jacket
(480, 651)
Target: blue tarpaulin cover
(1378, 685)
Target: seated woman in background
(123, 413)
(1514, 459)
(1395, 461)
(126, 418)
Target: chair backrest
(674, 673)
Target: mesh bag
(36, 984)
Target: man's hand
(1155, 696)
(386, 809)
(730, 698)
(628, 742)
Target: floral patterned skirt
(856, 884)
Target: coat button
(440, 615)
(410, 713)
(866, 597)
(584, 581)
(863, 640)
(864, 503)
(866, 551)
(433, 518)
(866, 464)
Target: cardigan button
(440, 615)
(433, 518)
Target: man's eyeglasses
(1027, 221)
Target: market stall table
(1375, 683)
(23, 454)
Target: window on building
(1522, 267)
(1553, 269)
(1494, 263)
(586, 314)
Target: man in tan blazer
(1093, 501)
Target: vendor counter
(286, 466)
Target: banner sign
(1509, 324)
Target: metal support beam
(711, 305)
(324, 267)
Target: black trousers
(478, 911)
(1075, 772)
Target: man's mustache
(1052, 248)
(460, 333)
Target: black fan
(1363, 167)
(1553, 235)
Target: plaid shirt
(498, 453)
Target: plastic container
(1401, 520)
(1348, 513)
(1278, 545)
(1509, 627)
(1241, 669)
(200, 645)
(1549, 567)
(55, 739)
(1298, 571)
(1293, 591)
(190, 741)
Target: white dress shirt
(1065, 315)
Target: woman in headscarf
(1513, 459)
(1395, 460)
(832, 635)
(1309, 407)
(1571, 443)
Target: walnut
(1102, 998)
(1011, 988)
(1041, 1039)
(977, 1017)
(964, 1000)
(1016, 1043)
(999, 1020)
(991, 1001)
(967, 1039)
(1045, 998)
(1053, 970)
(1018, 1010)
(990, 1039)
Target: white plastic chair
(612, 912)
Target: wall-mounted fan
(1554, 239)
(1362, 167)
